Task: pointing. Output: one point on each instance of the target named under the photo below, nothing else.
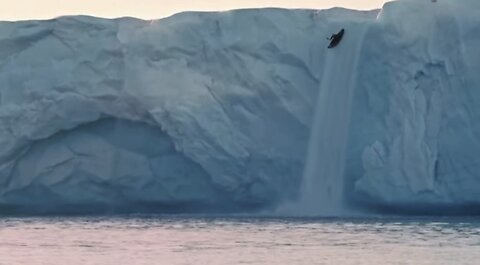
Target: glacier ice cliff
(418, 92)
(212, 112)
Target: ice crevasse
(205, 112)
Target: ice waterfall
(323, 179)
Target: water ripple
(231, 240)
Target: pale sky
(149, 9)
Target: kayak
(336, 38)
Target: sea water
(238, 240)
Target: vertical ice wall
(418, 109)
(324, 171)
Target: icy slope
(417, 108)
(213, 111)
(200, 111)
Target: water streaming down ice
(323, 188)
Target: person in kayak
(336, 38)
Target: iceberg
(243, 111)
